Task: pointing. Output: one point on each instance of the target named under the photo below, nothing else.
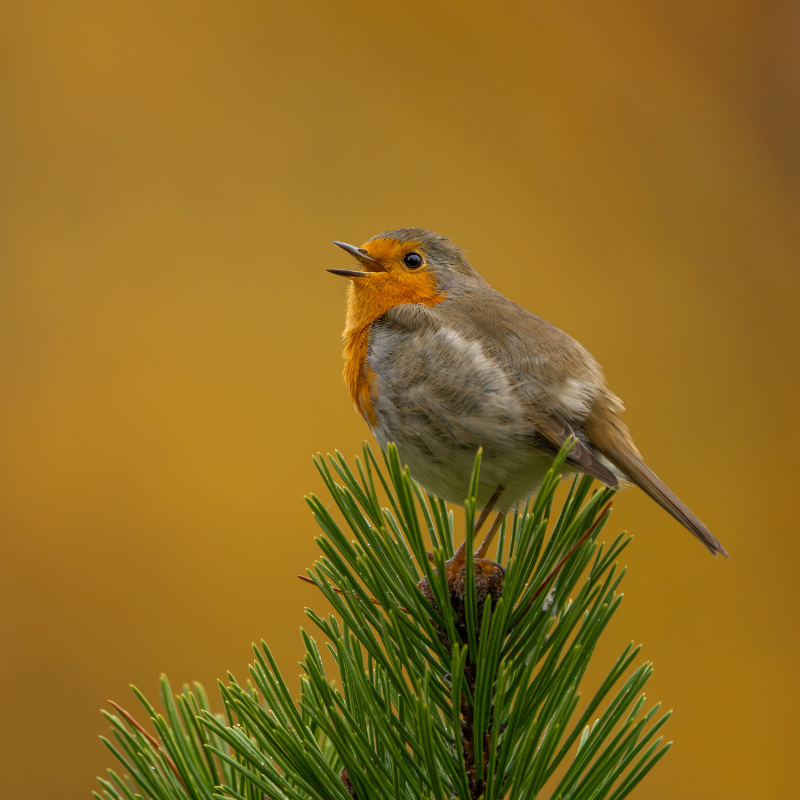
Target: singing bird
(439, 363)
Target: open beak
(371, 265)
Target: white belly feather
(439, 398)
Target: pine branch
(458, 676)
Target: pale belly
(445, 470)
(439, 399)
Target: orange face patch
(369, 298)
(390, 251)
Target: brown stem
(476, 787)
(553, 572)
(153, 741)
(341, 591)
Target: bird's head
(408, 265)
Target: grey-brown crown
(443, 253)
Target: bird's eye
(413, 260)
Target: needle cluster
(450, 680)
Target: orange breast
(369, 299)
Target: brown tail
(609, 434)
(640, 474)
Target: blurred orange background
(171, 175)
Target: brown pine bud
(489, 576)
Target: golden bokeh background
(171, 175)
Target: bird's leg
(498, 521)
(459, 558)
(489, 508)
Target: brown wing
(555, 432)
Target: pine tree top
(457, 677)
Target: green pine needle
(429, 704)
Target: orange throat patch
(369, 298)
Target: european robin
(439, 363)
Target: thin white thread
(720, 591)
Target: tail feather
(640, 474)
(608, 434)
